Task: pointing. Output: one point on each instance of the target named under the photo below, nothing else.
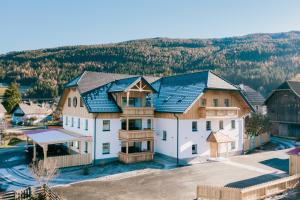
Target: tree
(43, 171)
(256, 124)
(12, 96)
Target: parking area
(180, 183)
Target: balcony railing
(219, 112)
(135, 157)
(136, 134)
(138, 111)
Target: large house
(132, 117)
(283, 107)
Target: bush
(14, 141)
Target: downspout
(177, 139)
(95, 139)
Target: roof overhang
(55, 136)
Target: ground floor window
(232, 145)
(86, 147)
(194, 149)
(106, 125)
(164, 135)
(194, 126)
(221, 125)
(105, 148)
(233, 124)
(208, 125)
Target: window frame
(208, 125)
(221, 125)
(72, 122)
(66, 122)
(226, 102)
(78, 123)
(86, 124)
(233, 125)
(194, 149)
(105, 130)
(74, 102)
(108, 145)
(164, 136)
(193, 128)
(86, 147)
(81, 102)
(203, 102)
(215, 102)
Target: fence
(260, 191)
(256, 141)
(30, 192)
(71, 160)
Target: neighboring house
(255, 98)
(283, 107)
(30, 113)
(132, 117)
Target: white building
(132, 117)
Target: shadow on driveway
(277, 163)
(253, 181)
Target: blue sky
(33, 24)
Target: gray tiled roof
(254, 97)
(177, 93)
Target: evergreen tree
(12, 96)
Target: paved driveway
(181, 183)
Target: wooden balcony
(137, 112)
(135, 157)
(219, 112)
(135, 135)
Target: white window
(67, 120)
(78, 145)
(164, 135)
(72, 122)
(86, 147)
(78, 123)
(208, 125)
(232, 124)
(232, 145)
(86, 124)
(106, 125)
(194, 149)
(221, 125)
(194, 126)
(105, 148)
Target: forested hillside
(262, 61)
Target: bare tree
(43, 171)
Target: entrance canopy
(55, 136)
(217, 137)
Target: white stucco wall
(187, 137)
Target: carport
(215, 139)
(44, 138)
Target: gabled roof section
(177, 93)
(254, 97)
(33, 108)
(99, 100)
(123, 84)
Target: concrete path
(180, 183)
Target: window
(149, 124)
(232, 145)
(69, 102)
(221, 125)
(72, 144)
(203, 102)
(78, 145)
(208, 125)
(75, 102)
(194, 149)
(226, 102)
(215, 102)
(86, 147)
(194, 126)
(81, 102)
(86, 124)
(133, 102)
(164, 135)
(67, 120)
(78, 123)
(72, 122)
(105, 148)
(106, 125)
(233, 124)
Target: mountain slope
(262, 61)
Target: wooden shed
(215, 139)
